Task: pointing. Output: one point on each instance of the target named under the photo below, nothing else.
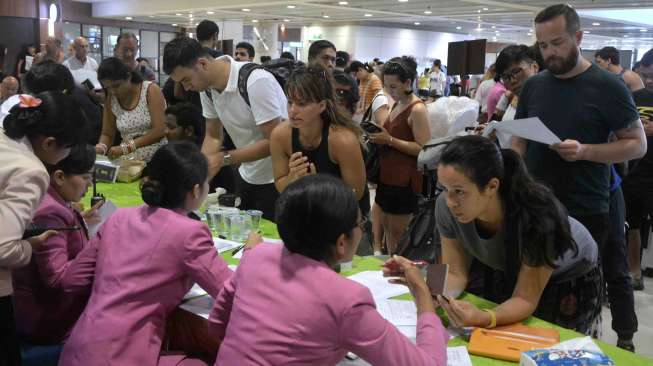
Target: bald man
(8, 88)
(81, 61)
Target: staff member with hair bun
(403, 134)
(38, 130)
(141, 264)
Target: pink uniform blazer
(141, 264)
(282, 308)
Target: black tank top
(323, 164)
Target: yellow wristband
(493, 318)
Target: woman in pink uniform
(141, 264)
(287, 306)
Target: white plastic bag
(449, 116)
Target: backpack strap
(243, 76)
(367, 117)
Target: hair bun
(20, 120)
(152, 192)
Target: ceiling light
(486, 9)
(416, 23)
(625, 36)
(343, 3)
(210, 12)
(368, 15)
(596, 24)
(290, 6)
(403, 1)
(150, 16)
(286, 20)
(459, 27)
(494, 27)
(178, 14)
(586, 32)
(128, 18)
(254, 21)
(478, 11)
(245, 9)
(174, 24)
(427, 12)
(190, 15)
(479, 29)
(643, 30)
(325, 16)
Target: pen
(238, 249)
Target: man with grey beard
(571, 100)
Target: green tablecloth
(127, 194)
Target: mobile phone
(88, 84)
(436, 278)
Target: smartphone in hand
(436, 278)
(88, 84)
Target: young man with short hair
(207, 33)
(249, 124)
(323, 52)
(608, 59)
(244, 52)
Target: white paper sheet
(398, 312)
(530, 129)
(379, 286)
(222, 245)
(107, 209)
(458, 356)
(81, 75)
(239, 255)
(200, 306)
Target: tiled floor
(644, 309)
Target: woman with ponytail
(319, 136)
(38, 130)
(541, 261)
(141, 263)
(404, 133)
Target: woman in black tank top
(319, 136)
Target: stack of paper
(222, 245)
(378, 285)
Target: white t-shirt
(483, 92)
(503, 103)
(82, 72)
(504, 138)
(268, 102)
(379, 101)
(438, 79)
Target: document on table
(398, 312)
(458, 356)
(197, 291)
(201, 306)
(530, 129)
(239, 255)
(105, 211)
(222, 245)
(378, 285)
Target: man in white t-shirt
(438, 78)
(249, 126)
(81, 66)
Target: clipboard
(508, 342)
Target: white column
(268, 35)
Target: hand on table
(570, 150)
(463, 313)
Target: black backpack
(280, 68)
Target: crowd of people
(542, 227)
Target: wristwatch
(228, 160)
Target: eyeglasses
(512, 75)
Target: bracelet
(103, 147)
(131, 145)
(125, 148)
(493, 318)
(391, 139)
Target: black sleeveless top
(323, 164)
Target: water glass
(219, 219)
(239, 226)
(255, 216)
(211, 213)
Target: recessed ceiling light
(494, 27)
(343, 3)
(587, 32)
(427, 12)
(286, 20)
(290, 6)
(245, 9)
(150, 16)
(417, 23)
(486, 9)
(178, 14)
(643, 30)
(190, 15)
(459, 27)
(625, 36)
(479, 29)
(368, 15)
(254, 21)
(596, 24)
(210, 12)
(325, 16)
(403, 1)
(478, 11)
(128, 18)
(174, 24)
